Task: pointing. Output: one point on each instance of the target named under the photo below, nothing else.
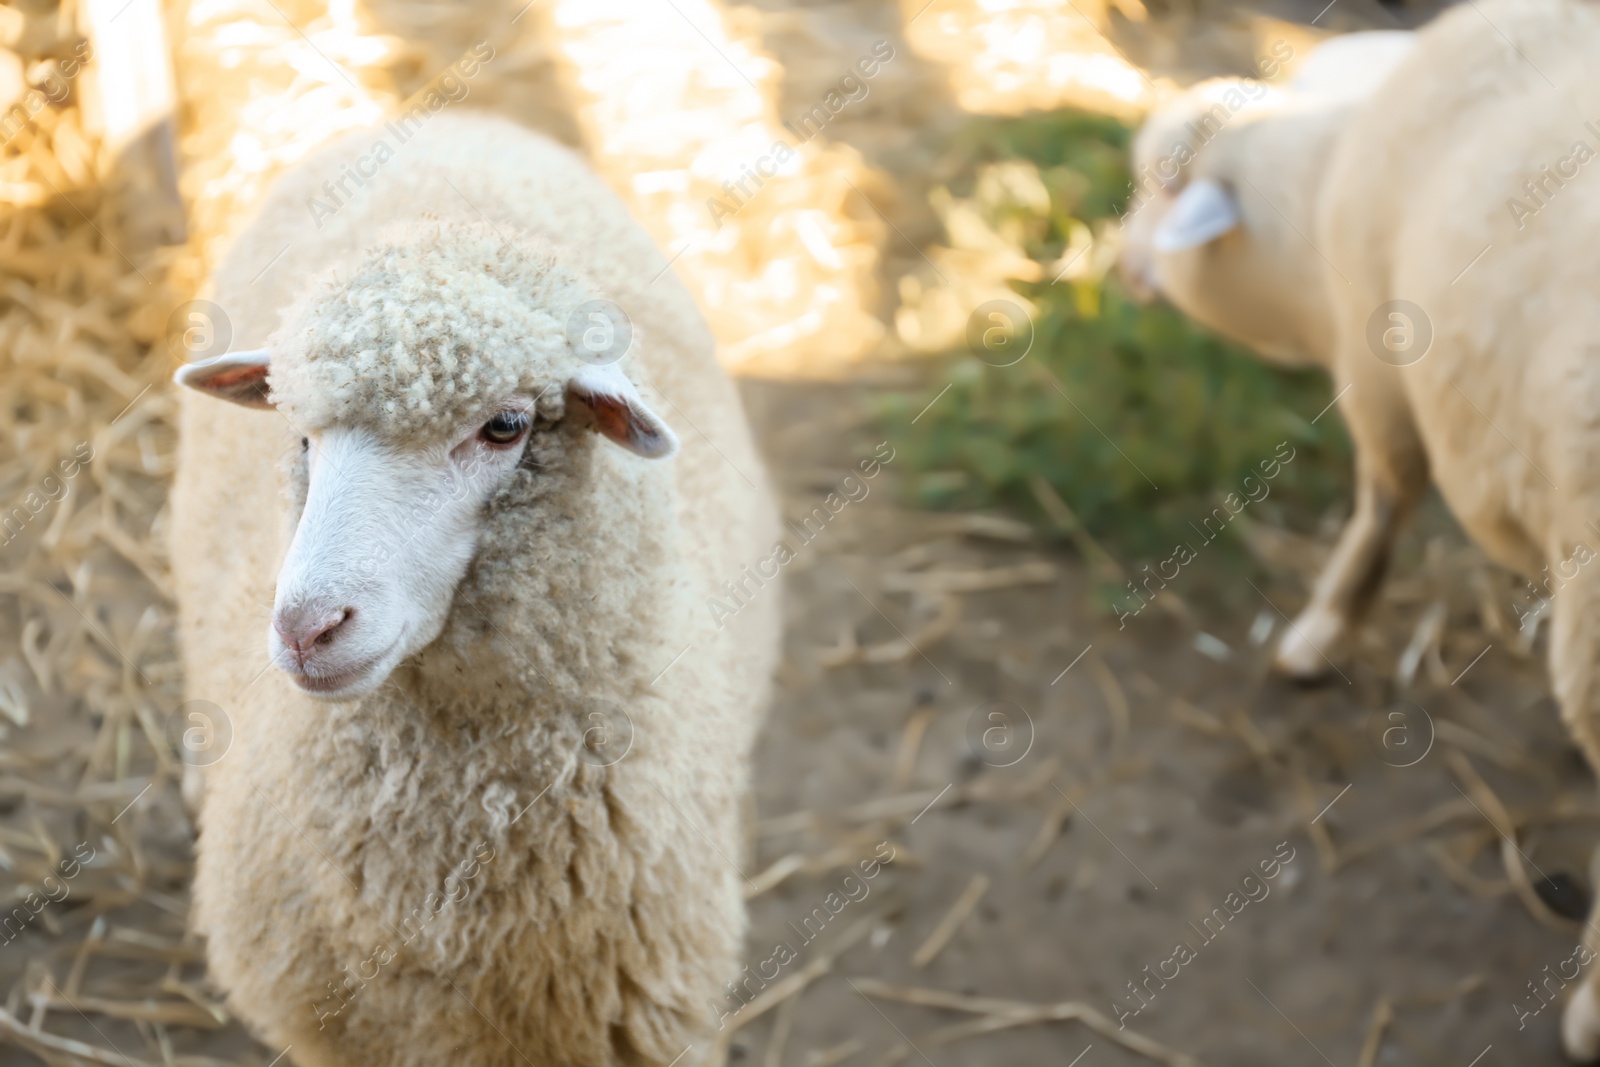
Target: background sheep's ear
(620, 413)
(238, 376)
(1201, 213)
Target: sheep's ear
(1201, 213)
(238, 376)
(620, 412)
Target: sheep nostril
(327, 635)
(301, 630)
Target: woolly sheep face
(370, 575)
(1172, 210)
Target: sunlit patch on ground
(766, 228)
(1010, 56)
(262, 94)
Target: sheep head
(413, 385)
(1178, 208)
(1226, 176)
(1224, 220)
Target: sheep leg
(1351, 578)
(1580, 1020)
(1574, 651)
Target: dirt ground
(1157, 780)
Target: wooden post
(137, 102)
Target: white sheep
(1226, 177)
(483, 796)
(1228, 185)
(1462, 189)
(1453, 222)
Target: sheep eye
(505, 428)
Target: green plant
(1138, 419)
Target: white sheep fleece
(1265, 281)
(1418, 195)
(600, 925)
(1504, 410)
(1261, 285)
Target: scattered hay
(85, 450)
(1049, 828)
(934, 582)
(791, 986)
(1116, 701)
(1409, 830)
(1458, 871)
(1311, 809)
(952, 920)
(840, 855)
(1002, 1014)
(905, 761)
(778, 1042)
(1511, 856)
(831, 1057)
(87, 312)
(900, 649)
(1383, 1013)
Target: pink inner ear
(621, 415)
(612, 416)
(238, 378)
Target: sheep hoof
(1580, 1027)
(1305, 651)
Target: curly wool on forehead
(425, 332)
